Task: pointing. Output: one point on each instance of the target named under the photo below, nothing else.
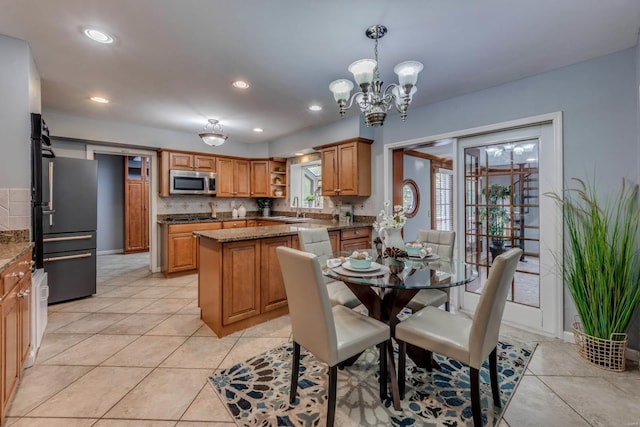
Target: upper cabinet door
(180, 161)
(348, 173)
(330, 185)
(242, 171)
(224, 177)
(204, 163)
(260, 178)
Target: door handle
(67, 257)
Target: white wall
(110, 231)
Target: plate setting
(374, 267)
(431, 257)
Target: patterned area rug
(257, 391)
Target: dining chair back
(442, 243)
(469, 341)
(332, 333)
(316, 241)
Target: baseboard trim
(110, 252)
(632, 354)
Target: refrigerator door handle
(66, 239)
(67, 257)
(50, 211)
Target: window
(410, 197)
(442, 199)
(306, 185)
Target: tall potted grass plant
(602, 269)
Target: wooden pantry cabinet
(136, 204)
(15, 317)
(346, 167)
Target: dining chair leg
(476, 409)
(446, 306)
(428, 360)
(402, 366)
(382, 350)
(331, 403)
(295, 369)
(493, 373)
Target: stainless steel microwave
(192, 182)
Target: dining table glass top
(411, 273)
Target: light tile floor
(137, 354)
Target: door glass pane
(443, 200)
(501, 212)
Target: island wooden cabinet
(346, 168)
(180, 246)
(233, 177)
(241, 276)
(273, 294)
(15, 316)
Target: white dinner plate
(373, 267)
(431, 257)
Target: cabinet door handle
(67, 257)
(66, 239)
(19, 274)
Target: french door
(502, 178)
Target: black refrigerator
(65, 222)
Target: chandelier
(373, 102)
(212, 133)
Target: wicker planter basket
(605, 354)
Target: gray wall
(419, 170)
(19, 96)
(599, 101)
(110, 202)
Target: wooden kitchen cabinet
(355, 238)
(241, 276)
(240, 223)
(273, 294)
(182, 160)
(15, 327)
(136, 204)
(262, 223)
(180, 246)
(346, 168)
(233, 177)
(260, 178)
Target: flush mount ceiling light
(212, 133)
(99, 99)
(240, 84)
(98, 36)
(372, 100)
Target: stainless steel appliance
(64, 200)
(192, 182)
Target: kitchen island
(239, 278)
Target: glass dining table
(388, 285)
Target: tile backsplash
(15, 208)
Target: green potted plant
(497, 216)
(310, 199)
(602, 269)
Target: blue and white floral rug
(256, 391)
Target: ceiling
(173, 61)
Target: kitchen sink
(289, 219)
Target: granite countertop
(9, 252)
(204, 219)
(250, 233)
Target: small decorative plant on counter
(602, 269)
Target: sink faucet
(296, 203)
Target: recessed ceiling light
(258, 130)
(240, 84)
(98, 36)
(299, 154)
(315, 107)
(99, 99)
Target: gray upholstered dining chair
(469, 341)
(316, 241)
(442, 243)
(332, 333)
